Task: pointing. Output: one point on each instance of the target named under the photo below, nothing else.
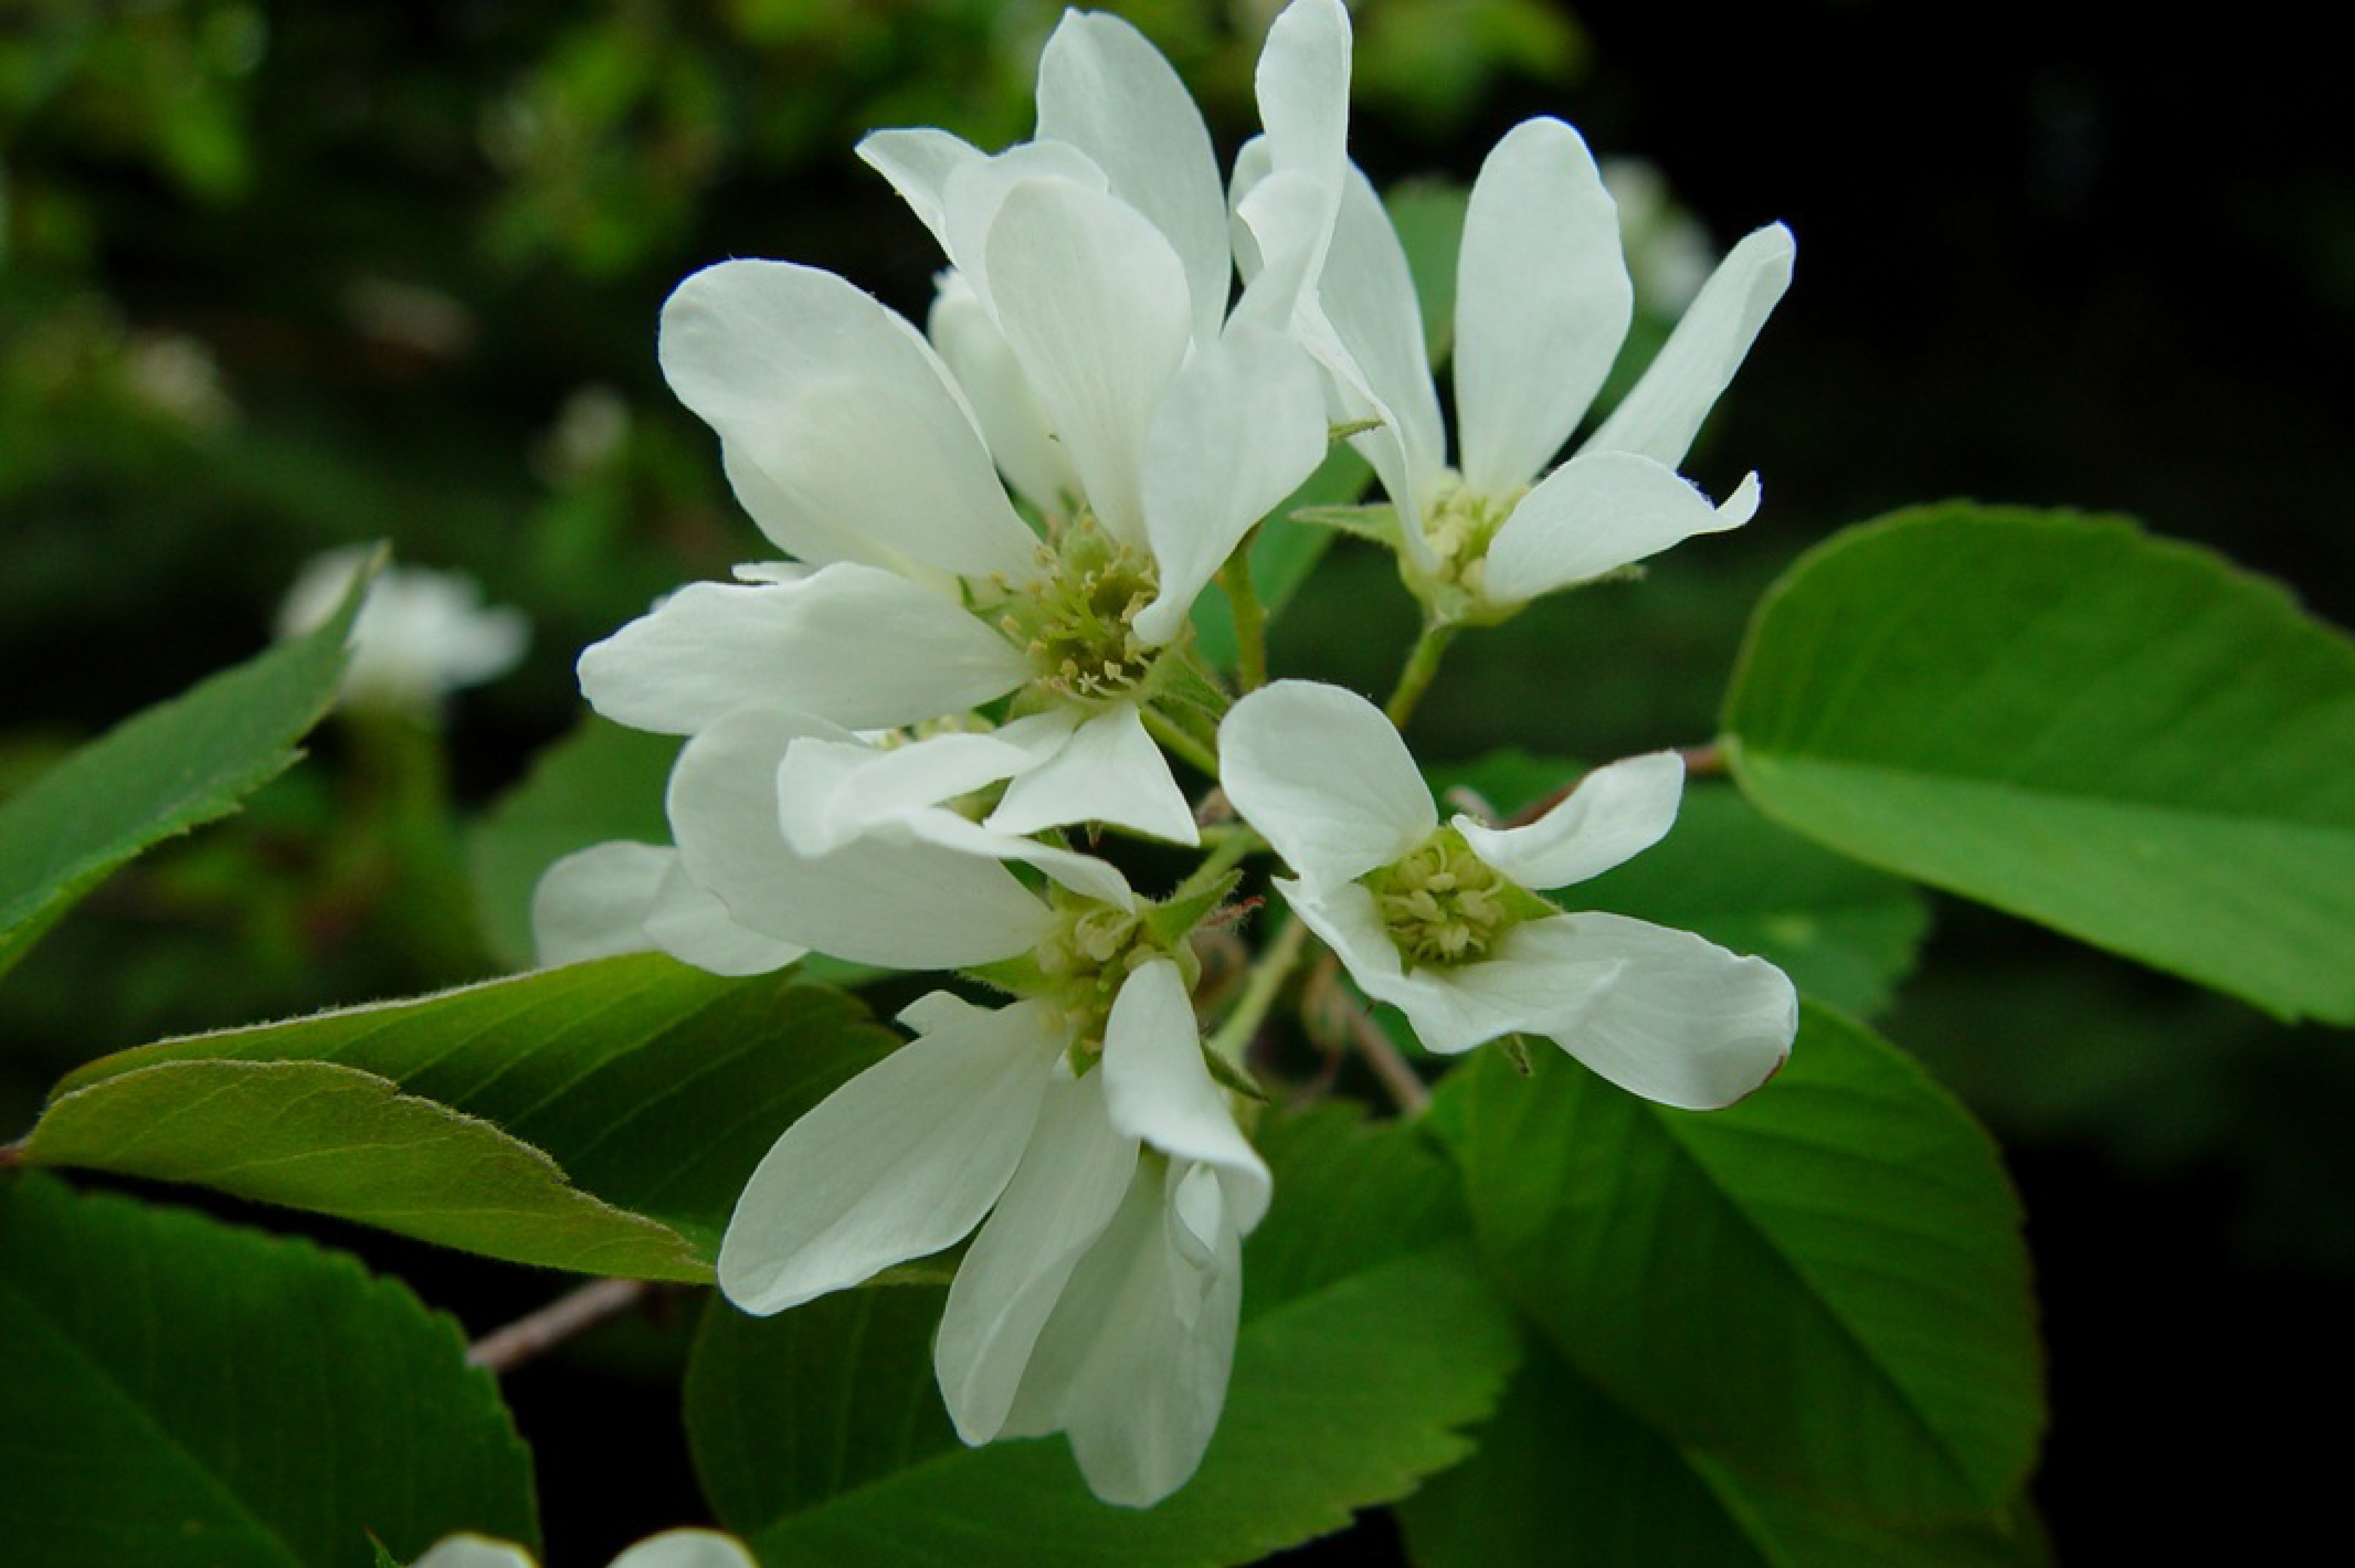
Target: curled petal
(898, 1163)
(1157, 1089)
(1615, 813)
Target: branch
(575, 1312)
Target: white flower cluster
(903, 741)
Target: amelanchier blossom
(420, 635)
(1543, 306)
(671, 1549)
(1441, 921)
(1096, 255)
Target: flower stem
(1420, 666)
(1274, 967)
(1227, 851)
(1170, 733)
(1249, 618)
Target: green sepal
(1377, 520)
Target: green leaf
(176, 1390)
(599, 783)
(2124, 738)
(1823, 1286)
(1367, 1338)
(162, 772)
(601, 1117)
(1565, 1476)
(1845, 933)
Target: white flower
(1541, 309)
(671, 1549)
(1149, 430)
(1100, 1298)
(421, 634)
(1438, 921)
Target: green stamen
(1076, 619)
(1445, 905)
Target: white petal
(594, 902)
(1062, 1195)
(1455, 1007)
(1661, 416)
(919, 162)
(1598, 512)
(832, 794)
(1243, 423)
(1104, 769)
(1542, 301)
(862, 448)
(1616, 813)
(1134, 1364)
(1085, 874)
(1158, 1089)
(1683, 1022)
(1107, 91)
(856, 644)
(692, 925)
(968, 340)
(686, 1549)
(1093, 303)
(902, 905)
(1322, 774)
(975, 192)
(474, 1552)
(1367, 294)
(898, 1163)
(1302, 83)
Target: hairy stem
(1274, 967)
(1170, 733)
(1249, 618)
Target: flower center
(1442, 905)
(1460, 525)
(1075, 620)
(1085, 960)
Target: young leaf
(1563, 1475)
(178, 1391)
(614, 1109)
(173, 767)
(1368, 1339)
(1823, 1286)
(2121, 737)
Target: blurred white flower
(1669, 256)
(421, 634)
(1439, 921)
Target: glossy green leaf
(2119, 736)
(1564, 1476)
(1823, 1286)
(599, 782)
(175, 767)
(178, 1391)
(821, 1438)
(601, 1116)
